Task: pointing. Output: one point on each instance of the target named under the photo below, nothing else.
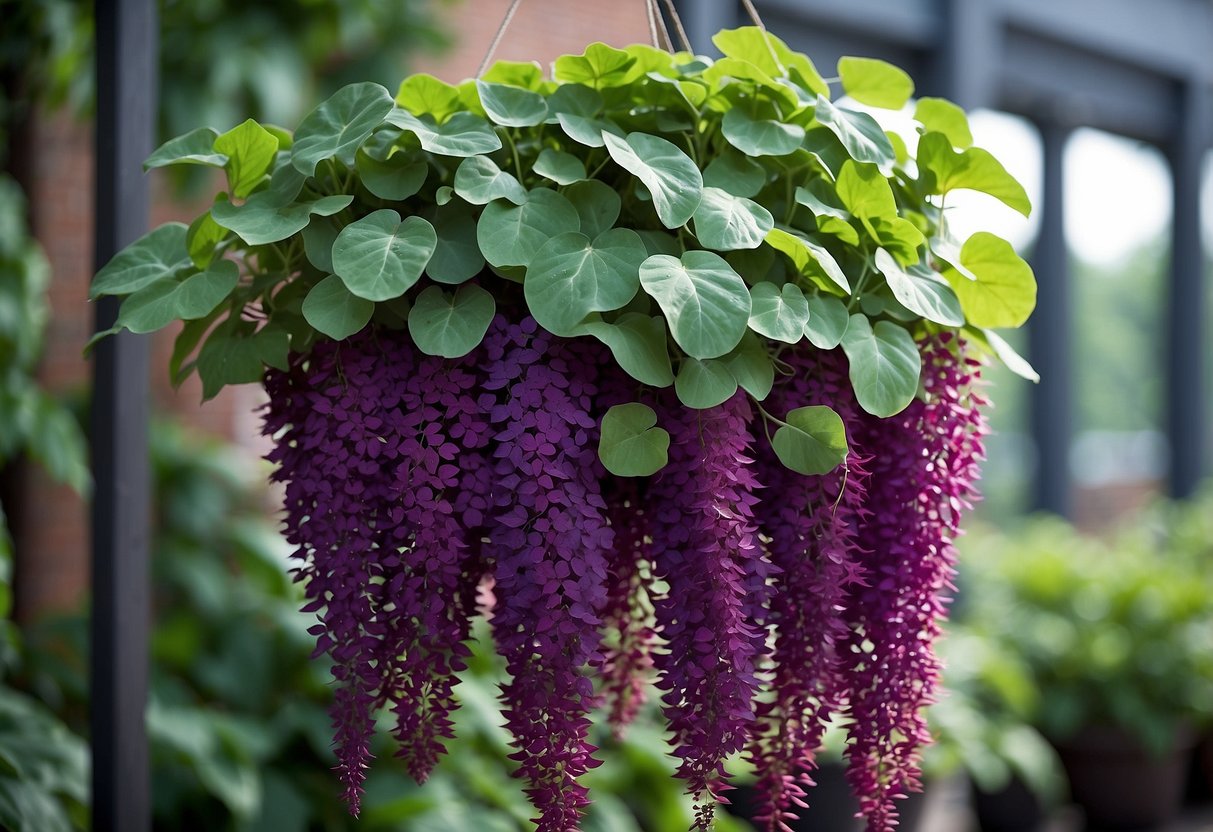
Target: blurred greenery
(1111, 632)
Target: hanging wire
(505, 24)
(648, 8)
(753, 12)
(682, 32)
(655, 13)
(766, 37)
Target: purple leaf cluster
(421, 491)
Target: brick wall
(53, 549)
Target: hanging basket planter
(666, 366)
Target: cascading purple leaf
(705, 548)
(550, 539)
(810, 523)
(924, 463)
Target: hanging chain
(505, 24)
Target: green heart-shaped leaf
(479, 181)
(423, 94)
(264, 219)
(339, 125)
(318, 238)
(572, 276)
(379, 257)
(638, 343)
(828, 318)
(1004, 293)
(725, 222)
(922, 292)
(456, 256)
(884, 365)
(875, 83)
(598, 67)
(630, 444)
(157, 305)
(938, 115)
(809, 258)
(398, 177)
(451, 326)
(463, 134)
(751, 366)
(760, 137)
(779, 313)
(735, 172)
(510, 235)
(597, 205)
(672, 179)
(812, 442)
(331, 308)
(197, 147)
(859, 133)
(157, 255)
(250, 151)
(865, 191)
(228, 358)
(562, 168)
(512, 106)
(704, 384)
(974, 169)
(706, 303)
(203, 238)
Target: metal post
(1186, 410)
(1049, 337)
(126, 96)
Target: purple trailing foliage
(705, 547)
(923, 466)
(550, 539)
(810, 523)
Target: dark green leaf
(859, 133)
(479, 181)
(760, 137)
(157, 255)
(451, 326)
(159, 304)
(339, 125)
(562, 168)
(379, 257)
(630, 444)
(704, 384)
(572, 276)
(318, 238)
(706, 303)
(227, 358)
(828, 318)
(638, 343)
(456, 256)
(509, 235)
(672, 179)
(597, 205)
(736, 173)
(725, 222)
(332, 309)
(812, 442)
(923, 292)
(884, 365)
(463, 134)
(751, 366)
(779, 313)
(264, 219)
(398, 177)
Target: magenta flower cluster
(760, 603)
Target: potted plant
(552, 333)
(1118, 637)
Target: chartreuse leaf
(725, 222)
(331, 308)
(197, 147)
(1004, 293)
(944, 169)
(865, 191)
(828, 318)
(510, 235)
(423, 94)
(380, 257)
(704, 384)
(812, 440)
(638, 343)
(339, 125)
(456, 256)
(265, 219)
(202, 238)
(525, 74)
(779, 313)
(859, 133)
(922, 292)
(706, 303)
(157, 255)
(398, 177)
(451, 325)
(157, 305)
(771, 55)
(751, 366)
(828, 213)
(630, 444)
(597, 205)
(250, 151)
(479, 181)
(463, 134)
(735, 172)
(562, 168)
(512, 106)
(760, 136)
(875, 83)
(598, 67)
(809, 258)
(572, 276)
(939, 115)
(672, 179)
(884, 365)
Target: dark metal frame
(1143, 70)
